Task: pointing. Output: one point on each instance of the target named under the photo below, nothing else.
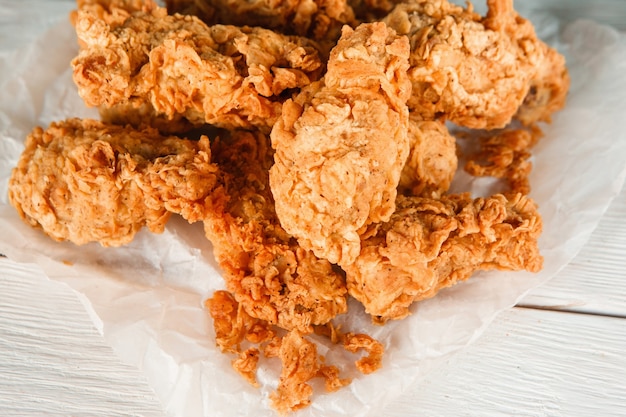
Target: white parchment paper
(146, 298)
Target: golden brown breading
(270, 275)
(471, 70)
(113, 12)
(246, 364)
(300, 365)
(317, 19)
(332, 380)
(431, 244)
(341, 144)
(232, 324)
(505, 154)
(85, 181)
(548, 89)
(222, 75)
(375, 350)
(299, 356)
(432, 161)
(138, 115)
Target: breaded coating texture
(270, 275)
(432, 160)
(341, 144)
(320, 20)
(300, 365)
(112, 11)
(85, 181)
(505, 154)
(222, 75)
(475, 71)
(548, 89)
(432, 244)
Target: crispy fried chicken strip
(432, 160)
(341, 144)
(85, 181)
(270, 275)
(222, 75)
(432, 244)
(475, 71)
(138, 115)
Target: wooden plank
(595, 281)
(52, 359)
(530, 363)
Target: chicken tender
(474, 71)
(85, 181)
(222, 75)
(341, 144)
(432, 244)
(432, 160)
(270, 275)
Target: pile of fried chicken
(312, 140)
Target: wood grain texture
(53, 361)
(530, 363)
(595, 281)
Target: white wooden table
(559, 352)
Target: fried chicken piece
(85, 181)
(432, 160)
(300, 364)
(341, 144)
(222, 75)
(270, 275)
(432, 244)
(505, 154)
(320, 20)
(471, 70)
(138, 115)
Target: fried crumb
(246, 365)
(375, 350)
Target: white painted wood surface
(559, 353)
